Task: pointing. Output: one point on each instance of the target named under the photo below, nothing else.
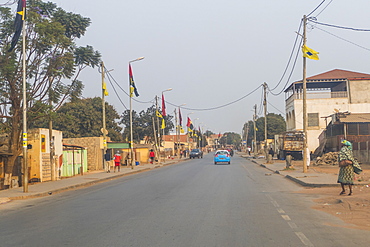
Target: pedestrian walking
(348, 166)
(151, 156)
(117, 162)
(108, 160)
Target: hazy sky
(213, 52)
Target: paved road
(194, 203)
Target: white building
(327, 93)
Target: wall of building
(95, 149)
(359, 91)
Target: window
(352, 129)
(363, 129)
(313, 119)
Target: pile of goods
(327, 159)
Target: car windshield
(224, 152)
(195, 150)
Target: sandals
(342, 193)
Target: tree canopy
(53, 65)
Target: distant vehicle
(222, 156)
(196, 153)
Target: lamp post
(131, 133)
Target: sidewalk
(316, 176)
(90, 178)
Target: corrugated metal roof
(355, 118)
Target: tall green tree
(54, 63)
(83, 118)
(231, 138)
(275, 125)
(142, 124)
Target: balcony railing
(318, 95)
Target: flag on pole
(181, 130)
(180, 117)
(163, 126)
(158, 114)
(105, 91)
(163, 106)
(133, 88)
(189, 123)
(309, 53)
(18, 23)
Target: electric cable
(316, 8)
(216, 107)
(340, 27)
(324, 8)
(290, 58)
(343, 39)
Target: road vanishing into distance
(192, 203)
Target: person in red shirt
(117, 161)
(151, 156)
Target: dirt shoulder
(354, 209)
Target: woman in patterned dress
(346, 173)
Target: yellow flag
(158, 114)
(182, 130)
(163, 124)
(309, 53)
(105, 89)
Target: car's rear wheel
(228, 162)
(215, 163)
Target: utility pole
(255, 132)
(305, 122)
(51, 140)
(177, 136)
(265, 113)
(106, 166)
(158, 129)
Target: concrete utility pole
(255, 131)
(265, 114)
(305, 122)
(158, 129)
(106, 166)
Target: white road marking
(304, 239)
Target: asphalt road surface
(193, 203)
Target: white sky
(212, 52)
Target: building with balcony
(327, 93)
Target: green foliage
(230, 138)
(53, 65)
(83, 118)
(142, 124)
(275, 125)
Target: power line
(340, 27)
(316, 8)
(217, 107)
(287, 66)
(344, 39)
(324, 8)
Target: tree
(231, 138)
(142, 124)
(53, 65)
(208, 133)
(275, 125)
(83, 118)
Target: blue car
(222, 156)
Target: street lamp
(131, 133)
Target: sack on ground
(344, 163)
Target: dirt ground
(354, 209)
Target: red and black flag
(18, 23)
(133, 88)
(190, 124)
(163, 106)
(180, 117)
